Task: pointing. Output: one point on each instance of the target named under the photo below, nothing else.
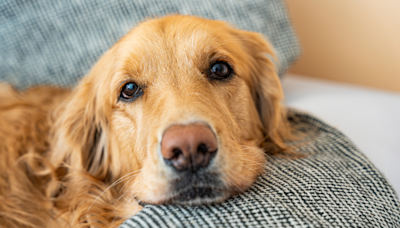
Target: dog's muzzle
(189, 150)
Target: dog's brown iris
(220, 70)
(130, 90)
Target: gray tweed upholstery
(335, 186)
(56, 42)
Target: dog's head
(181, 107)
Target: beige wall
(356, 41)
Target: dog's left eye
(220, 70)
(130, 91)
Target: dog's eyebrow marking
(141, 85)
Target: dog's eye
(220, 70)
(130, 91)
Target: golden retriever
(181, 110)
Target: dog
(181, 110)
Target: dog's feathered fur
(82, 158)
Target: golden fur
(83, 158)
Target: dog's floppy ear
(266, 90)
(81, 126)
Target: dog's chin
(198, 196)
(196, 189)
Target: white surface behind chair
(369, 117)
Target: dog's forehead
(172, 44)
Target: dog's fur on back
(84, 158)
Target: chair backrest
(56, 42)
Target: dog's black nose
(188, 147)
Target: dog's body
(180, 110)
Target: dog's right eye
(130, 91)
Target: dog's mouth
(197, 189)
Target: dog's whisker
(127, 182)
(122, 195)
(133, 192)
(133, 195)
(112, 185)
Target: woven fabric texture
(334, 186)
(56, 42)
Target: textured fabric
(56, 42)
(334, 186)
(370, 114)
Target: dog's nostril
(176, 152)
(202, 148)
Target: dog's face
(178, 108)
